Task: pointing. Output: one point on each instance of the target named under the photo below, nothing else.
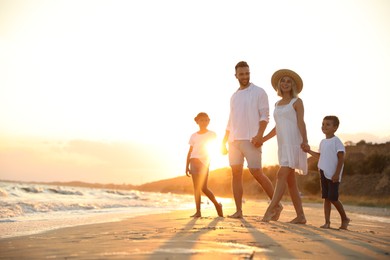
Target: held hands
(305, 147)
(257, 141)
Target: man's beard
(244, 82)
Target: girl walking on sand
(198, 161)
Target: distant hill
(366, 178)
(366, 175)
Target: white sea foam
(375, 218)
(32, 208)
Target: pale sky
(106, 91)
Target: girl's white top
(200, 146)
(289, 138)
(328, 156)
(247, 108)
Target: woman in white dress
(290, 131)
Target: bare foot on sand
(278, 210)
(298, 220)
(196, 215)
(345, 223)
(238, 214)
(326, 225)
(219, 209)
(268, 216)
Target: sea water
(27, 208)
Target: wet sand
(177, 236)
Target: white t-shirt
(247, 108)
(200, 144)
(328, 156)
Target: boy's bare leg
(344, 219)
(327, 210)
(345, 223)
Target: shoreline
(15, 228)
(175, 235)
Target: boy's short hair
(335, 120)
(242, 64)
(201, 114)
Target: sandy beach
(175, 235)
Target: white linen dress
(289, 138)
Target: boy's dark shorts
(330, 189)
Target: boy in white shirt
(331, 162)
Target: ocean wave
(65, 192)
(23, 200)
(7, 220)
(8, 210)
(32, 189)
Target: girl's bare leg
(210, 195)
(197, 193)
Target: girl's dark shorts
(330, 189)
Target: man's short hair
(241, 64)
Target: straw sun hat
(289, 73)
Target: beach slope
(177, 236)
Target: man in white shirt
(249, 116)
